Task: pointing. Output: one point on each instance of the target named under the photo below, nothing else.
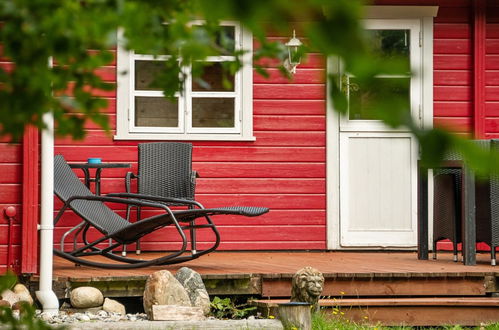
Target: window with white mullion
(150, 111)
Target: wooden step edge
(437, 301)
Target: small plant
(226, 309)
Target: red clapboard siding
(452, 78)
(452, 46)
(492, 125)
(492, 62)
(492, 46)
(449, 14)
(302, 76)
(492, 109)
(493, 28)
(4, 234)
(295, 138)
(10, 194)
(274, 217)
(451, 31)
(452, 62)
(454, 93)
(452, 109)
(492, 78)
(308, 92)
(492, 93)
(257, 186)
(16, 252)
(260, 170)
(208, 153)
(10, 153)
(290, 123)
(454, 124)
(289, 107)
(10, 173)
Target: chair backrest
(67, 185)
(165, 169)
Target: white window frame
(242, 94)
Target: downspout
(46, 295)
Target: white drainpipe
(46, 295)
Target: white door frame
(425, 14)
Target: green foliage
(79, 37)
(226, 309)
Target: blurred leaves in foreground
(53, 51)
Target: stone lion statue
(307, 285)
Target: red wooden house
(331, 183)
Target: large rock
(112, 306)
(162, 288)
(86, 297)
(10, 296)
(23, 293)
(193, 284)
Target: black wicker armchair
(447, 216)
(96, 214)
(164, 170)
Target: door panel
(378, 188)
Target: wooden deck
(394, 287)
(268, 274)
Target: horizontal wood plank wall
(284, 169)
(10, 195)
(492, 71)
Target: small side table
(85, 167)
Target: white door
(378, 165)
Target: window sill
(184, 137)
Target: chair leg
(434, 250)
(493, 255)
(137, 244)
(454, 248)
(193, 237)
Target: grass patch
(323, 321)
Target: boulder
(10, 296)
(162, 288)
(23, 293)
(193, 284)
(112, 306)
(86, 297)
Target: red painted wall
(285, 167)
(10, 195)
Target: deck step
(427, 311)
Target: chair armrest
(128, 180)
(157, 198)
(113, 199)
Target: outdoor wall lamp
(294, 57)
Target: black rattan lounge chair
(164, 170)
(93, 210)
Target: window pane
(213, 112)
(155, 112)
(226, 38)
(224, 43)
(390, 45)
(363, 100)
(145, 72)
(212, 79)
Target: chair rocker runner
(93, 210)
